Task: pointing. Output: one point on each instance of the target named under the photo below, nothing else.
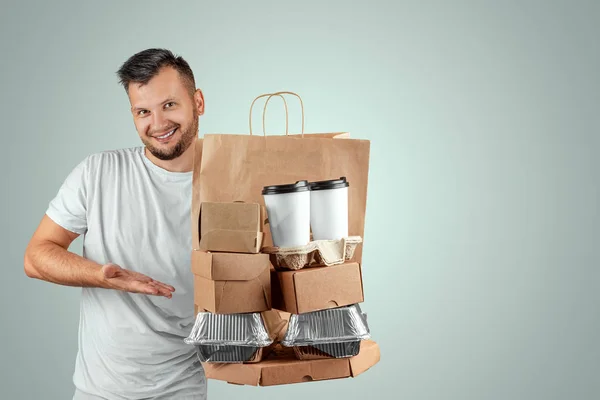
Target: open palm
(131, 281)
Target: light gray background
(483, 227)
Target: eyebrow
(165, 101)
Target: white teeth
(166, 135)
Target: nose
(159, 121)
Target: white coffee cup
(288, 210)
(329, 209)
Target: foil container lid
(229, 329)
(335, 325)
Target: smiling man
(132, 206)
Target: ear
(199, 101)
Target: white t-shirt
(137, 215)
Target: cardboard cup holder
(314, 254)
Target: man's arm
(47, 258)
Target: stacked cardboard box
(317, 288)
(231, 276)
(324, 302)
(232, 284)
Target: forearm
(50, 262)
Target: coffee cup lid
(331, 184)
(299, 186)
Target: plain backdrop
(483, 226)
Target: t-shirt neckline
(170, 174)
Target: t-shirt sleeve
(69, 207)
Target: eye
(169, 104)
(142, 112)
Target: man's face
(165, 113)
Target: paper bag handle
(270, 95)
(286, 115)
(286, 110)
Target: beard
(187, 138)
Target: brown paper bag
(237, 167)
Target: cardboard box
(231, 227)
(276, 323)
(229, 283)
(314, 289)
(285, 369)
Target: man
(133, 207)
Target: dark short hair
(143, 66)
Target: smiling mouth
(166, 135)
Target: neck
(183, 163)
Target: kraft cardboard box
(231, 227)
(319, 288)
(230, 283)
(285, 369)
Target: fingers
(144, 288)
(135, 282)
(162, 290)
(146, 279)
(151, 288)
(169, 287)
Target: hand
(130, 281)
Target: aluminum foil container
(229, 354)
(245, 330)
(335, 325)
(328, 350)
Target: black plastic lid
(300, 186)
(332, 184)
